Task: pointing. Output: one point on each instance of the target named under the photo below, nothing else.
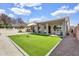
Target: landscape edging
(19, 48)
(53, 48)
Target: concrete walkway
(68, 47)
(7, 48)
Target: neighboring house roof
(72, 27)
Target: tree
(9, 22)
(5, 21)
(21, 23)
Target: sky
(38, 12)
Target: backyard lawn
(35, 45)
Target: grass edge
(19, 48)
(53, 48)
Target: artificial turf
(35, 45)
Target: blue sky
(30, 12)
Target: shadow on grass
(39, 34)
(44, 35)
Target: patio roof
(58, 20)
(55, 20)
(32, 24)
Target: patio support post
(64, 28)
(42, 29)
(52, 30)
(37, 29)
(47, 29)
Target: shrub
(20, 31)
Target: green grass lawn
(35, 45)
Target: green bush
(6, 26)
(20, 31)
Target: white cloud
(35, 19)
(2, 11)
(32, 4)
(76, 8)
(38, 8)
(64, 7)
(27, 4)
(39, 19)
(20, 11)
(63, 10)
(11, 15)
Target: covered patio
(53, 27)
